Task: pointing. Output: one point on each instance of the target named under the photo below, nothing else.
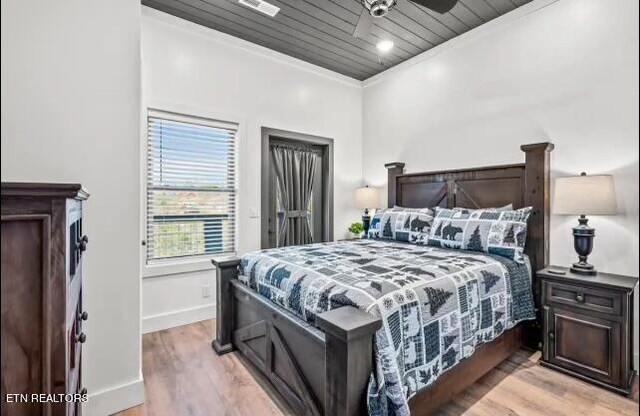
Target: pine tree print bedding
(498, 231)
(409, 225)
(436, 305)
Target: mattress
(436, 304)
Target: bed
(346, 356)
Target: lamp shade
(367, 197)
(585, 195)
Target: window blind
(191, 186)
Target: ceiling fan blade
(365, 22)
(440, 6)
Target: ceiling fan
(373, 9)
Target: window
(191, 186)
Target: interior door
(317, 200)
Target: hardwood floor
(183, 376)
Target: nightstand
(588, 326)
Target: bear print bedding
(436, 304)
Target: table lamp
(584, 195)
(367, 198)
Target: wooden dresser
(42, 312)
(588, 326)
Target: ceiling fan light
(384, 46)
(379, 9)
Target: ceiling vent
(261, 6)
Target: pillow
(402, 224)
(491, 230)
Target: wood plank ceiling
(321, 31)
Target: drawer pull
(551, 335)
(82, 244)
(580, 298)
(81, 338)
(83, 316)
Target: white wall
(189, 68)
(567, 73)
(70, 113)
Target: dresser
(43, 244)
(588, 326)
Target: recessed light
(384, 46)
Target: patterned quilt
(436, 304)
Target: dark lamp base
(583, 268)
(583, 243)
(366, 223)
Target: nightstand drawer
(598, 300)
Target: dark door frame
(327, 188)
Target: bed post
(394, 169)
(537, 194)
(349, 359)
(226, 270)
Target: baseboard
(177, 318)
(115, 399)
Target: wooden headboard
(522, 184)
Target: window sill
(180, 266)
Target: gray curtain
(294, 172)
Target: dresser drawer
(597, 300)
(77, 240)
(77, 337)
(75, 378)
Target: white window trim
(170, 267)
(197, 263)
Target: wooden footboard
(326, 371)
(317, 371)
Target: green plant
(356, 228)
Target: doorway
(301, 215)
